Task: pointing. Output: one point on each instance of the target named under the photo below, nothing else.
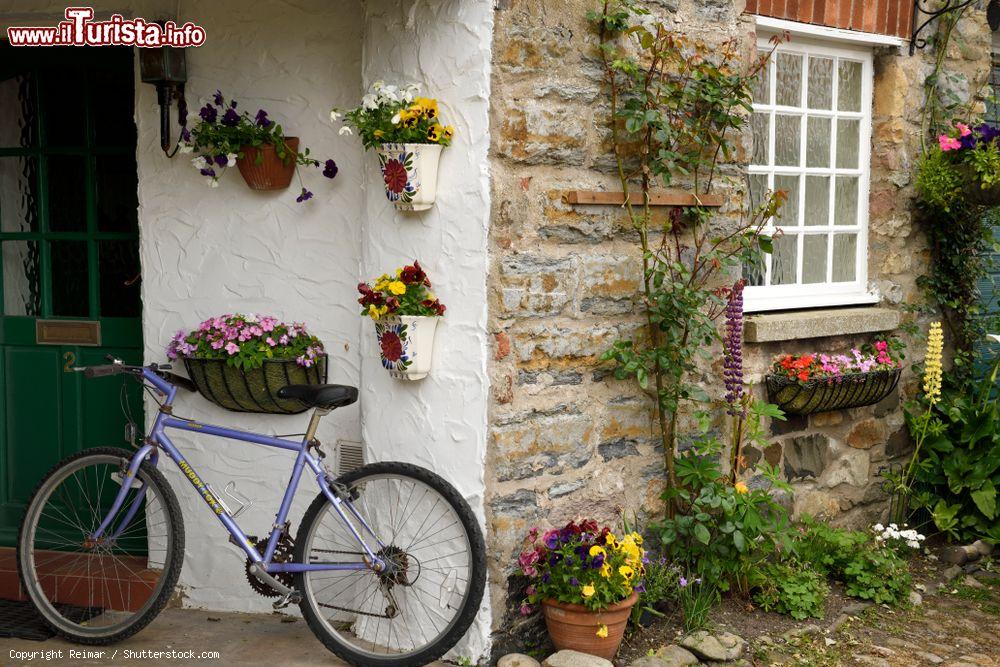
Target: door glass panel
(63, 98)
(788, 214)
(112, 103)
(18, 111)
(70, 296)
(848, 133)
(814, 258)
(22, 292)
(119, 269)
(845, 252)
(817, 142)
(846, 201)
(789, 90)
(784, 259)
(817, 200)
(67, 193)
(820, 83)
(849, 86)
(786, 140)
(117, 199)
(18, 193)
(761, 135)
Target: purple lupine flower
(261, 118)
(305, 196)
(330, 169)
(208, 113)
(218, 99)
(231, 118)
(732, 344)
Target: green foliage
(697, 597)
(791, 588)
(659, 584)
(938, 181)
(985, 161)
(389, 114)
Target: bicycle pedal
(294, 597)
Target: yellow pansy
(587, 590)
(610, 539)
(375, 312)
(626, 571)
(428, 106)
(741, 487)
(449, 131)
(637, 538)
(606, 570)
(434, 133)
(596, 550)
(602, 631)
(378, 133)
(397, 287)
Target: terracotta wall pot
(574, 627)
(409, 174)
(271, 173)
(406, 345)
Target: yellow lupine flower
(602, 631)
(932, 363)
(397, 287)
(587, 590)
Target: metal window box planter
(254, 390)
(822, 395)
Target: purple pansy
(305, 196)
(330, 169)
(221, 160)
(207, 171)
(218, 99)
(261, 118)
(208, 113)
(231, 118)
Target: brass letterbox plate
(68, 332)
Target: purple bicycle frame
(158, 439)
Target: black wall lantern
(166, 68)
(921, 10)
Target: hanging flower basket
(973, 191)
(409, 173)
(256, 389)
(406, 345)
(263, 169)
(824, 394)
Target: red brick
(882, 16)
(503, 346)
(905, 19)
(751, 7)
(870, 16)
(792, 9)
(830, 12)
(844, 16)
(892, 18)
(764, 7)
(805, 12)
(857, 15)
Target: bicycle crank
(282, 554)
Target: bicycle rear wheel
(99, 591)
(422, 604)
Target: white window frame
(780, 297)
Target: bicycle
(381, 579)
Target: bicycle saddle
(324, 396)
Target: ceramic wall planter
(406, 345)
(409, 173)
(254, 390)
(270, 172)
(822, 395)
(574, 627)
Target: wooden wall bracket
(659, 198)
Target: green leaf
(701, 532)
(986, 499)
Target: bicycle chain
(335, 607)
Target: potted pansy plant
(406, 314)
(240, 361)
(406, 132)
(586, 579)
(223, 136)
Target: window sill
(774, 327)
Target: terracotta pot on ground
(574, 627)
(270, 172)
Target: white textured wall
(438, 422)
(211, 251)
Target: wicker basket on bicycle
(254, 390)
(849, 391)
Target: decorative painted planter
(409, 173)
(406, 345)
(850, 391)
(574, 627)
(270, 172)
(254, 390)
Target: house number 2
(70, 359)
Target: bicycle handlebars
(116, 367)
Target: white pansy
(878, 528)
(378, 85)
(344, 130)
(213, 183)
(185, 149)
(251, 318)
(334, 115)
(230, 159)
(395, 119)
(369, 101)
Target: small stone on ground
(721, 647)
(668, 656)
(567, 658)
(517, 660)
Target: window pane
(817, 142)
(18, 194)
(846, 201)
(817, 200)
(117, 199)
(70, 296)
(845, 251)
(785, 259)
(848, 133)
(119, 269)
(786, 140)
(112, 101)
(63, 95)
(761, 135)
(758, 189)
(789, 89)
(788, 214)
(67, 193)
(820, 83)
(18, 111)
(762, 86)
(814, 258)
(849, 86)
(22, 293)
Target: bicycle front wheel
(428, 595)
(99, 590)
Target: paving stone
(872, 660)
(721, 647)
(972, 582)
(517, 660)
(932, 658)
(575, 659)
(668, 656)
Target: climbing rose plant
(246, 341)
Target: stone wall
(566, 439)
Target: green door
(70, 276)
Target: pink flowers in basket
(882, 355)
